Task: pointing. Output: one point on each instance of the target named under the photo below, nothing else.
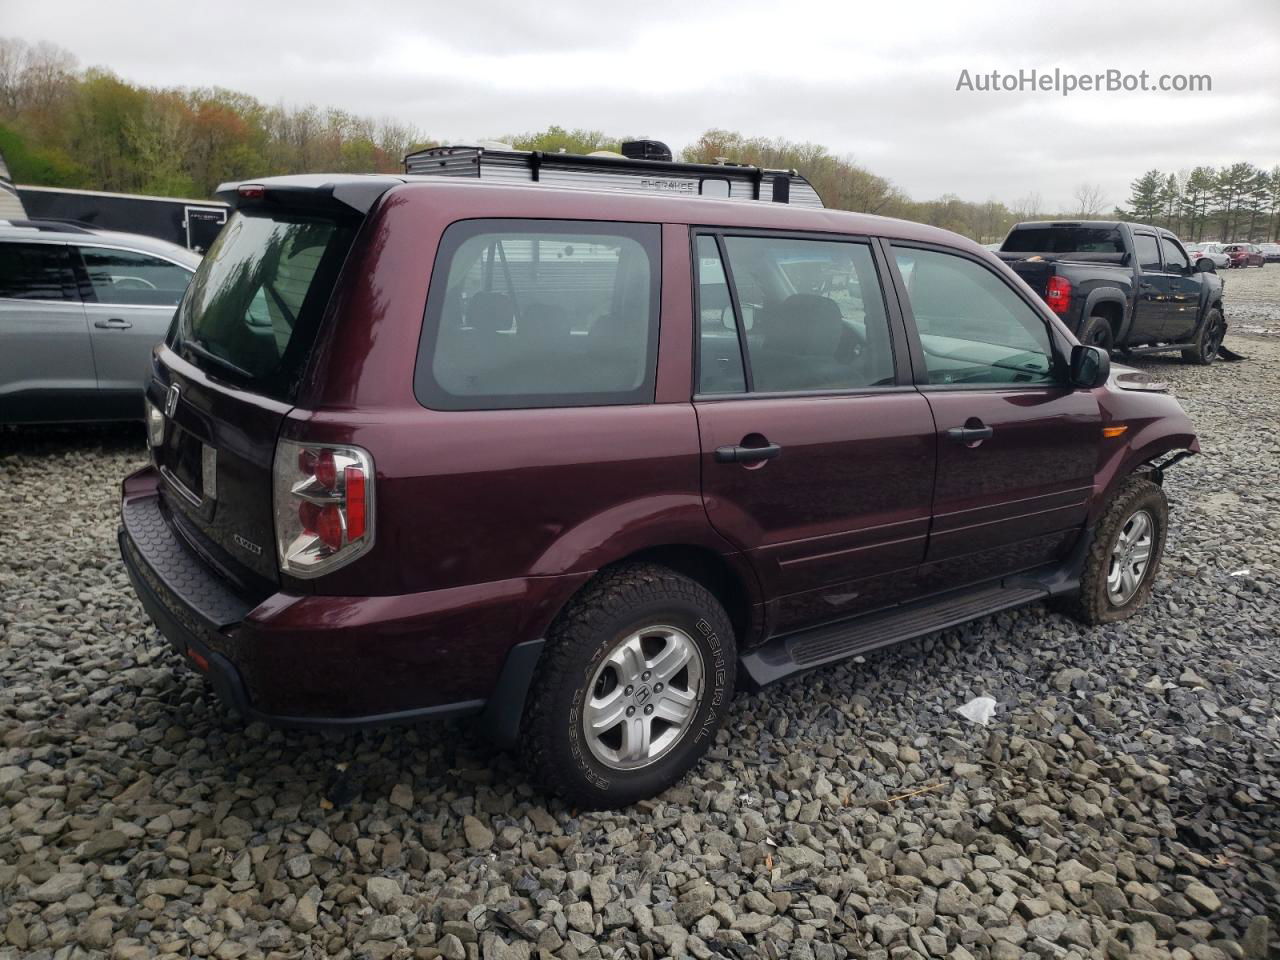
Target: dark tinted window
(1174, 258)
(719, 352)
(814, 314)
(122, 276)
(1051, 239)
(537, 313)
(973, 327)
(257, 298)
(36, 271)
(1147, 251)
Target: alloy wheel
(1130, 557)
(643, 697)
(1213, 340)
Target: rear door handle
(115, 323)
(970, 434)
(741, 454)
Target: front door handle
(970, 434)
(740, 454)
(115, 323)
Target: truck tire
(1204, 348)
(632, 686)
(1097, 332)
(1124, 556)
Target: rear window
(1064, 240)
(253, 308)
(36, 271)
(541, 313)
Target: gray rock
(479, 837)
(381, 892)
(58, 887)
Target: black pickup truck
(1122, 286)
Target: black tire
(1204, 348)
(1097, 332)
(1093, 604)
(612, 607)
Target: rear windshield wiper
(227, 365)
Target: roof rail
(615, 173)
(51, 226)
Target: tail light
(323, 499)
(1058, 295)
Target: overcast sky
(875, 81)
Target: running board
(795, 653)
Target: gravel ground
(1124, 801)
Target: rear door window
(1147, 251)
(974, 329)
(36, 271)
(719, 349)
(257, 299)
(1174, 257)
(541, 313)
(137, 279)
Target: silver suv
(80, 310)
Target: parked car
(575, 463)
(1215, 252)
(1270, 252)
(1121, 285)
(1245, 255)
(80, 312)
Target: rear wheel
(1097, 332)
(1204, 349)
(634, 683)
(1124, 556)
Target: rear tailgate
(228, 374)
(1035, 271)
(215, 462)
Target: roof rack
(628, 172)
(50, 226)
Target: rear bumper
(322, 661)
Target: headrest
(488, 312)
(805, 324)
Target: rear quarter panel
(466, 497)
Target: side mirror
(1090, 366)
(1205, 265)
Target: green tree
(556, 139)
(1146, 197)
(1195, 201)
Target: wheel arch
(728, 577)
(1104, 303)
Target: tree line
(61, 125)
(1236, 202)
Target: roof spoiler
(312, 193)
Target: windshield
(1051, 239)
(253, 307)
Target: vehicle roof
(1096, 225)
(360, 191)
(89, 236)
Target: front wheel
(633, 685)
(1204, 349)
(1124, 556)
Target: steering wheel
(132, 283)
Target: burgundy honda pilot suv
(581, 463)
